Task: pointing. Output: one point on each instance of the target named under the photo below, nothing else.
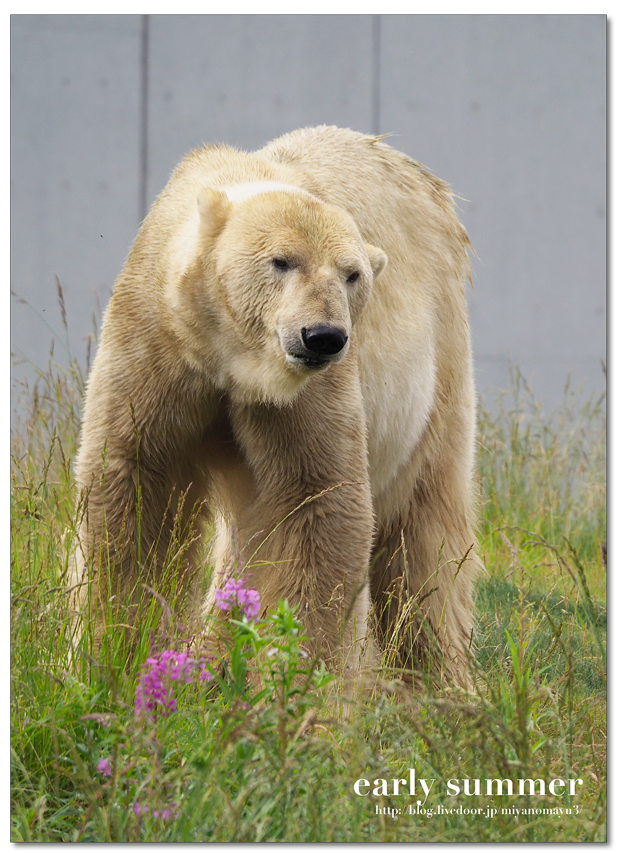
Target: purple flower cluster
(155, 689)
(164, 814)
(104, 767)
(235, 595)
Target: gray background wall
(510, 110)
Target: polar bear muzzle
(324, 340)
(316, 347)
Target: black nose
(324, 340)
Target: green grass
(241, 766)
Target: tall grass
(274, 759)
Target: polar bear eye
(281, 264)
(353, 278)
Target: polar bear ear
(378, 259)
(213, 208)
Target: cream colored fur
(331, 486)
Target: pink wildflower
(167, 813)
(235, 595)
(104, 767)
(155, 686)
(205, 674)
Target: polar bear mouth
(310, 362)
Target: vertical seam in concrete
(376, 74)
(144, 96)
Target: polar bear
(287, 354)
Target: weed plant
(264, 744)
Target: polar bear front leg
(423, 567)
(305, 532)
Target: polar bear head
(286, 277)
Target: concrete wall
(510, 110)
